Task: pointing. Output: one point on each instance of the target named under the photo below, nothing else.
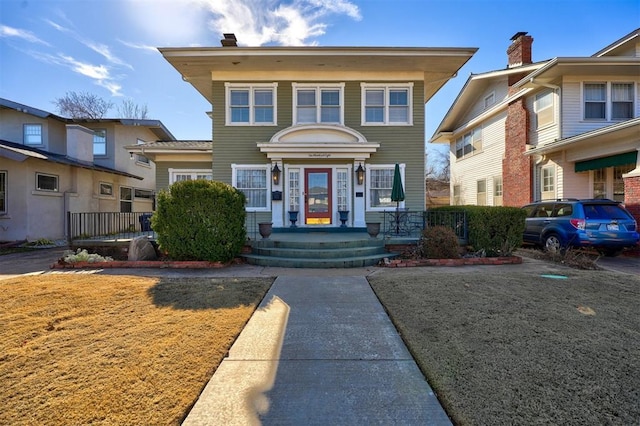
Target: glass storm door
(317, 196)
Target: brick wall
(516, 167)
(632, 195)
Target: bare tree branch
(82, 105)
(129, 109)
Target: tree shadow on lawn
(209, 293)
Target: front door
(317, 196)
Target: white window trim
(24, 134)
(370, 167)
(251, 88)
(608, 101)
(552, 193)
(193, 172)
(471, 133)
(49, 175)
(490, 100)
(318, 88)
(234, 182)
(386, 87)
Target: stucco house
(567, 127)
(51, 166)
(316, 130)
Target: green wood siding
(398, 144)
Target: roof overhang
(174, 150)
(606, 141)
(199, 66)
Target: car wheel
(611, 252)
(553, 244)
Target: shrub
(439, 242)
(497, 231)
(200, 220)
(82, 255)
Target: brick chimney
(519, 52)
(229, 40)
(517, 176)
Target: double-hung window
(253, 181)
(543, 107)
(251, 105)
(548, 182)
(469, 144)
(387, 104)
(612, 101)
(100, 142)
(318, 104)
(621, 101)
(380, 183)
(141, 158)
(32, 134)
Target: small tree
(200, 220)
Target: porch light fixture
(275, 174)
(130, 155)
(360, 174)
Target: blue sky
(107, 47)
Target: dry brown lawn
(510, 347)
(80, 348)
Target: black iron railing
(410, 224)
(117, 225)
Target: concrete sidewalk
(318, 350)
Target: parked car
(600, 223)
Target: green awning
(611, 161)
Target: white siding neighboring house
(51, 165)
(566, 127)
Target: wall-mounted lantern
(360, 174)
(275, 174)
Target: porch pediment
(318, 141)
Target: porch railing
(116, 225)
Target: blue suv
(602, 224)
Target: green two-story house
(318, 130)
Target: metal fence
(108, 224)
(410, 224)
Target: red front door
(317, 196)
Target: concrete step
(290, 262)
(318, 251)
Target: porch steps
(313, 251)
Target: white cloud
(140, 46)
(258, 22)
(6, 31)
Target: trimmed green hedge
(495, 230)
(200, 220)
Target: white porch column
(277, 209)
(359, 205)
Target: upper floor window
(141, 158)
(543, 107)
(252, 181)
(33, 134)
(489, 100)
(621, 101)
(387, 104)
(318, 104)
(469, 144)
(612, 101)
(251, 104)
(99, 142)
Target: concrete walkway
(319, 350)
